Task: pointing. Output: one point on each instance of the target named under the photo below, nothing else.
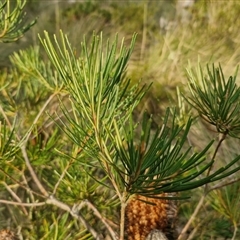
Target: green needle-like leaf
(12, 26)
(216, 99)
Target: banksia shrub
(110, 161)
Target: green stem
(216, 150)
(235, 231)
(122, 217)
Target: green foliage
(102, 106)
(99, 94)
(12, 25)
(227, 202)
(8, 143)
(81, 9)
(38, 74)
(157, 164)
(60, 227)
(217, 100)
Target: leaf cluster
(12, 25)
(102, 126)
(227, 201)
(159, 162)
(216, 99)
(98, 90)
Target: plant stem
(16, 197)
(32, 172)
(216, 150)
(36, 204)
(27, 135)
(193, 216)
(122, 218)
(201, 201)
(53, 201)
(235, 231)
(98, 214)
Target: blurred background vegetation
(171, 36)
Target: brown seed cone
(146, 214)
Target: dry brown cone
(143, 215)
(6, 234)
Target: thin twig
(98, 214)
(206, 191)
(37, 204)
(15, 196)
(62, 176)
(66, 168)
(192, 218)
(217, 186)
(5, 117)
(20, 184)
(215, 152)
(28, 134)
(53, 201)
(192, 234)
(234, 232)
(32, 172)
(29, 190)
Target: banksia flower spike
(147, 216)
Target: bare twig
(192, 234)
(98, 214)
(20, 184)
(192, 218)
(53, 201)
(28, 134)
(223, 137)
(205, 192)
(36, 204)
(235, 231)
(29, 190)
(62, 176)
(220, 185)
(15, 196)
(32, 172)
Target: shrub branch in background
(12, 25)
(217, 102)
